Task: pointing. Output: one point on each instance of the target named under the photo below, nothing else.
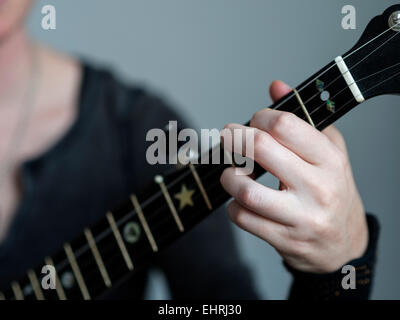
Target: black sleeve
(309, 286)
(204, 263)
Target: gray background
(214, 59)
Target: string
(334, 64)
(102, 235)
(360, 80)
(158, 194)
(128, 216)
(173, 183)
(350, 69)
(164, 235)
(106, 232)
(383, 70)
(131, 214)
(369, 89)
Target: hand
(316, 220)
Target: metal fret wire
(334, 64)
(119, 222)
(80, 251)
(149, 200)
(391, 77)
(339, 77)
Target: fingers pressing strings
(274, 157)
(267, 202)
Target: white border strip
(349, 79)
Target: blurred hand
(316, 220)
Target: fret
(120, 242)
(110, 245)
(104, 253)
(67, 277)
(211, 178)
(17, 290)
(303, 107)
(340, 102)
(160, 181)
(327, 96)
(144, 223)
(27, 288)
(59, 287)
(133, 237)
(109, 249)
(200, 185)
(35, 285)
(76, 271)
(187, 198)
(97, 256)
(157, 214)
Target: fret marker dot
(28, 290)
(67, 280)
(325, 95)
(159, 179)
(132, 232)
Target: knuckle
(314, 185)
(256, 117)
(225, 174)
(301, 249)
(228, 126)
(337, 137)
(246, 196)
(259, 139)
(321, 226)
(250, 197)
(237, 215)
(325, 197)
(282, 124)
(297, 249)
(339, 160)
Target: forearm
(310, 286)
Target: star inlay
(185, 197)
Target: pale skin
(53, 108)
(316, 221)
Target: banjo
(129, 237)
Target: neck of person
(53, 81)
(15, 61)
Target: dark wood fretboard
(129, 237)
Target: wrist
(360, 234)
(308, 285)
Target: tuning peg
(394, 21)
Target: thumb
(278, 89)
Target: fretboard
(128, 238)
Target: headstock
(374, 61)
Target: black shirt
(97, 164)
